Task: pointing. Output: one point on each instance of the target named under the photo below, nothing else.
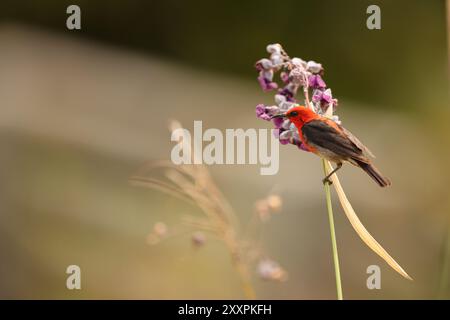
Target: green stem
(333, 235)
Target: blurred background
(82, 110)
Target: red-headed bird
(333, 142)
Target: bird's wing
(356, 141)
(323, 135)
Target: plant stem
(240, 265)
(249, 292)
(333, 235)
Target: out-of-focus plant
(194, 184)
(306, 76)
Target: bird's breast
(305, 142)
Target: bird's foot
(327, 181)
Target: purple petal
(278, 122)
(260, 109)
(317, 97)
(287, 93)
(316, 81)
(326, 98)
(266, 84)
(284, 77)
(261, 112)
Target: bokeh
(82, 110)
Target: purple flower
(298, 76)
(288, 92)
(295, 73)
(284, 76)
(283, 103)
(315, 81)
(265, 83)
(266, 112)
(278, 122)
(261, 112)
(266, 70)
(324, 97)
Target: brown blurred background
(82, 110)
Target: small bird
(333, 142)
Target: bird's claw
(327, 180)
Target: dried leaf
(359, 227)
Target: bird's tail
(374, 173)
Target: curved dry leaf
(359, 227)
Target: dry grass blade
(359, 227)
(160, 186)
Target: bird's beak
(281, 115)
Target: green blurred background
(82, 110)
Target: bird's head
(298, 115)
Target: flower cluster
(295, 74)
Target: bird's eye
(293, 114)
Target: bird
(331, 141)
